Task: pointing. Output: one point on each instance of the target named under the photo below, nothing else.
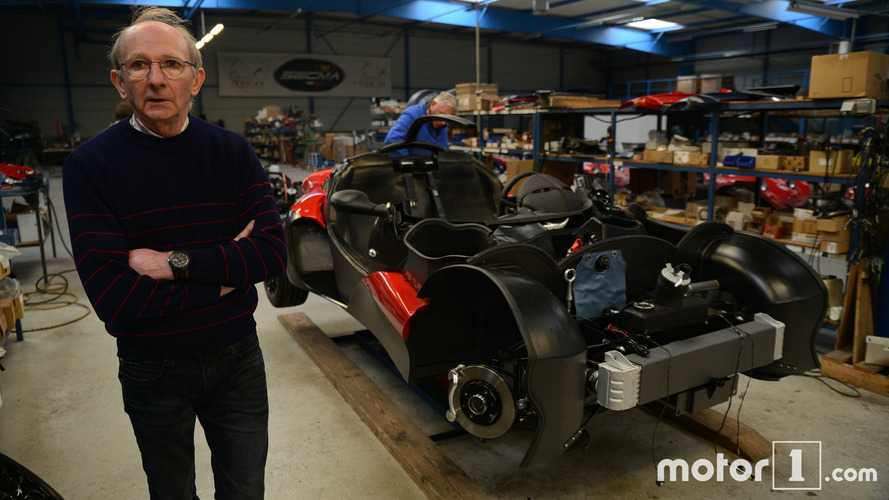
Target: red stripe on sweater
(85, 215)
(107, 288)
(265, 268)
(185, 330)
(150, 296)
(125, 300)
(182, 226)
(257, 202)
(244, 262)
(266, 212)
(95, 273)
(95, 233)
(254, 186)
(178, 207)
(225, 261)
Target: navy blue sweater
(195, 192)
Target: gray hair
(160, 15)
(447, 99)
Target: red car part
(397, 298)
(655, 101)
(16, 172)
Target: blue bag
(600, 282)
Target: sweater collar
(137, 124)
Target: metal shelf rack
(796, 108)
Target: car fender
(473, 311)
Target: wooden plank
(844, 331)
(427, 466)
(705, 423)
(864, 317)
(844, 372)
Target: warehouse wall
(35, 90)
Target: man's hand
(246, 231)
(148, 262)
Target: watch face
(179, 260)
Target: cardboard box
(746, 208)
(795, 163)
(805, 226)
(690, 158)
(710, 83)
(466, 96)
(516, 167)
(768, 162)
(842, 76)
(838, 236)
(657, 156)
(840, 162)
(833, 224)
(687, 84)
(696, 211)
(835, 247)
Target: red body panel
(311, 204)
(16, 172)
(396, 297)
(315, 181)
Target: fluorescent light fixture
(200, 44)
(821, 10)
(207, 38)
(760, 27)
(217, 29)
(652, 24)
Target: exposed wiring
(51, 291)
(816, 374)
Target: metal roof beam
(442, 12)
(776, 10)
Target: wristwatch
(179, 262)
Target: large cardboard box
(687, 84)
(856, 74)
(690, 158)
(657, 156)
(466, 96)
(795, 163)
(840, 162)
(768, 162)
(833, 224)
(805, 226)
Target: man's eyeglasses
(172, 68)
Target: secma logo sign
(309, 75)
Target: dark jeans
(227, 392)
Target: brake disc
(480, 401)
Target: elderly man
(435, 132)
(173, 223)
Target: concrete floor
(62, 416)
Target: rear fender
(473, 312)
(768, 278)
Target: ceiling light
(207, 38)
(200, 44)
(760, 27)
(217, 29)
(652, 24)
(817, 9)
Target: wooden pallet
(433, 472)
(846, 362)
(424, 462)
